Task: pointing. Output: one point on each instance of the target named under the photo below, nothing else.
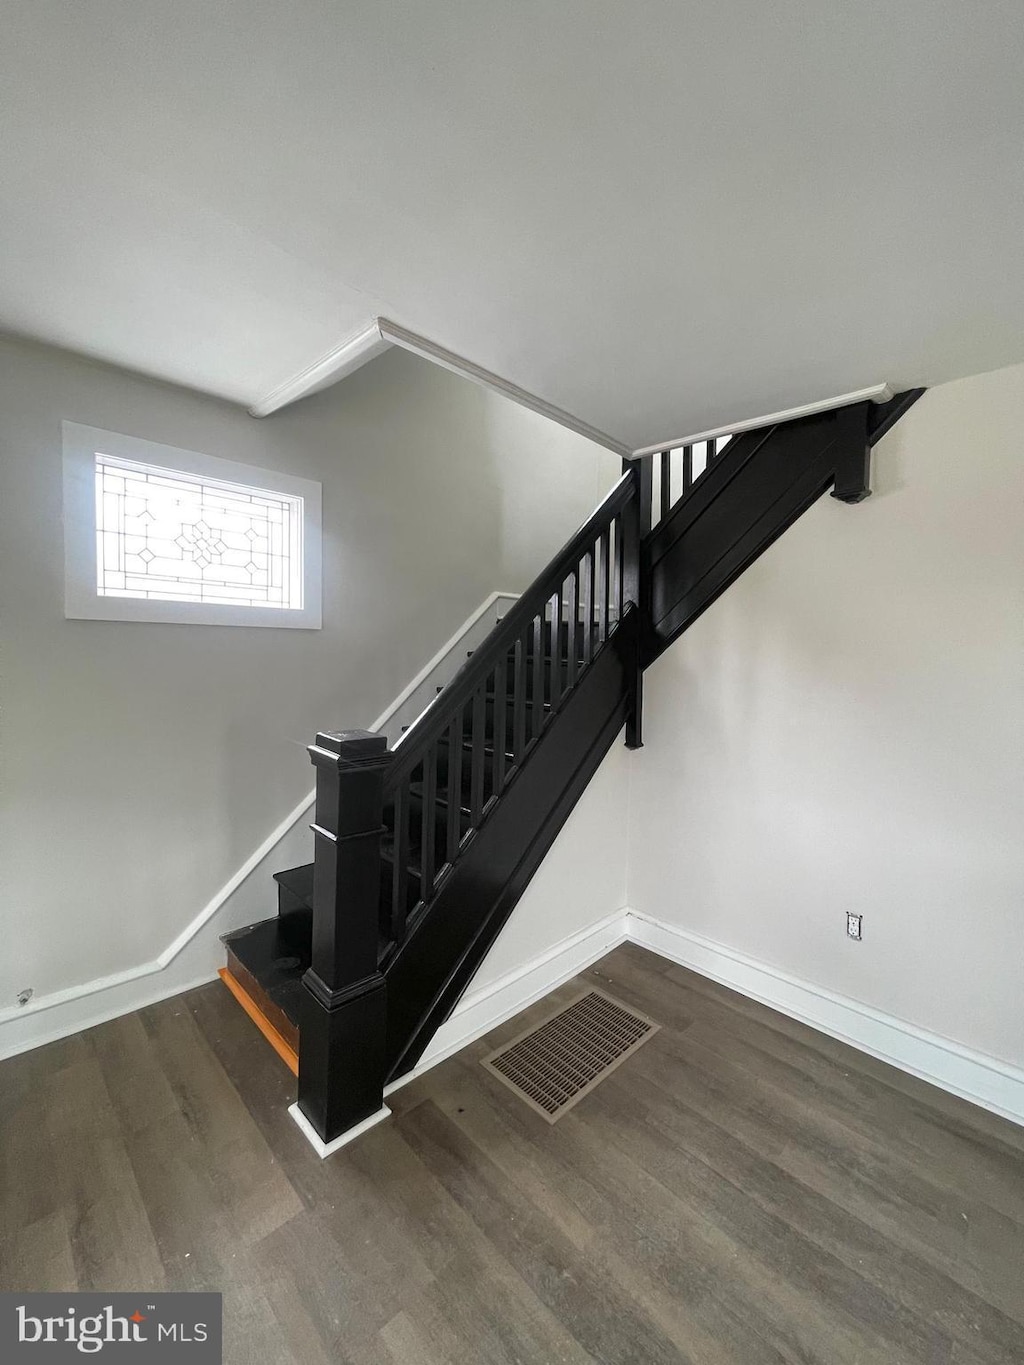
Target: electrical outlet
(853, 925)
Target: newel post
(636, 522)
(342, 1030)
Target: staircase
(423, 850)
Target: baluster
(400, 874)
(478, 733)
(620, 563)
(500, 725)
(603, 586)
(573, 642)
(538, 673)
(588, 606)
(687, 468)
(453, 790)
(701, 460)
(399, 881)
(428, 827)
(519, 700)
(665, 490)
(557, 636)
(629, 534)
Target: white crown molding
(877, 393)
(382, 334)
(440, 355)
(344, 360)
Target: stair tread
(467, 747)
(440, 799)
(527, 701)
(275, 960)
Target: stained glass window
(168, 535)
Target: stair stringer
(752, 494)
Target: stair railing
(676, 471)
(508, 686)
(548, 639)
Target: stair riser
(296, 916)
(261, 1000)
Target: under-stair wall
(842, 731)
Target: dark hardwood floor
(741, 1190)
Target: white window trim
(82, 600)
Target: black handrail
(431, 726)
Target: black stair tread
(275, 960)
(297, 880)
(545, 654)
(303, 877)
(467, 747)
(528, 702)
(440, 798)
(278, 962)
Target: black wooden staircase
(422, 851)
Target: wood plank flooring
(741, 1190)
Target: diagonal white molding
(71, 1009)
(440, 355)
(382, 334)
(344, 360)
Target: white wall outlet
(853, 925)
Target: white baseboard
(492, 1004)
(95, 1003)
(58, 1014)
(485, 1007)
(984, 1081)
(993, 1084)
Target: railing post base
(853, 465)
(634, 726)
(341, 1053)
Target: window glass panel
(176, 537)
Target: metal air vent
(554, 1064)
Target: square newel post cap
(355, 748)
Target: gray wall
(843, 731)
(142, 764)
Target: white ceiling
(656, 216)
